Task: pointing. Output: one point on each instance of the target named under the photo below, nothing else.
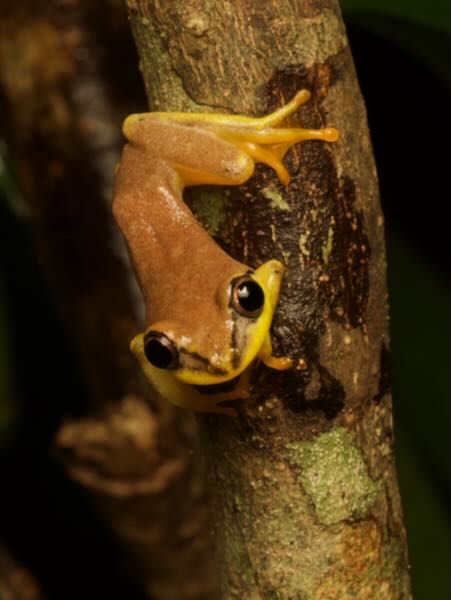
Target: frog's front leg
(271, 277)
(280, 363)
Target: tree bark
(65, 88)
(303, 485)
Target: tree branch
(64, 98)
(303, 487)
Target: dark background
(402, 57)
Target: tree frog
(209, 315)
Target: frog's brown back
(179, 266)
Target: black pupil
(158, 354)
(250, 295)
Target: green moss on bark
(332, 471)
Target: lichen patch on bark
(334, 475)
(209, 206)
(276, 199)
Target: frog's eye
(247, 297)
(160, 351)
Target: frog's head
(225, 340)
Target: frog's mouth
(204, 372)
(193, 365)
(198, 371)
(246, 336)
(218, 388)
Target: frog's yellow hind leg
(269, 146)
(283, 112)
(268, 157)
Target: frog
(209, 315)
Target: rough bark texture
(65, 88)
(303, 485)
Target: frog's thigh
(210, 159)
